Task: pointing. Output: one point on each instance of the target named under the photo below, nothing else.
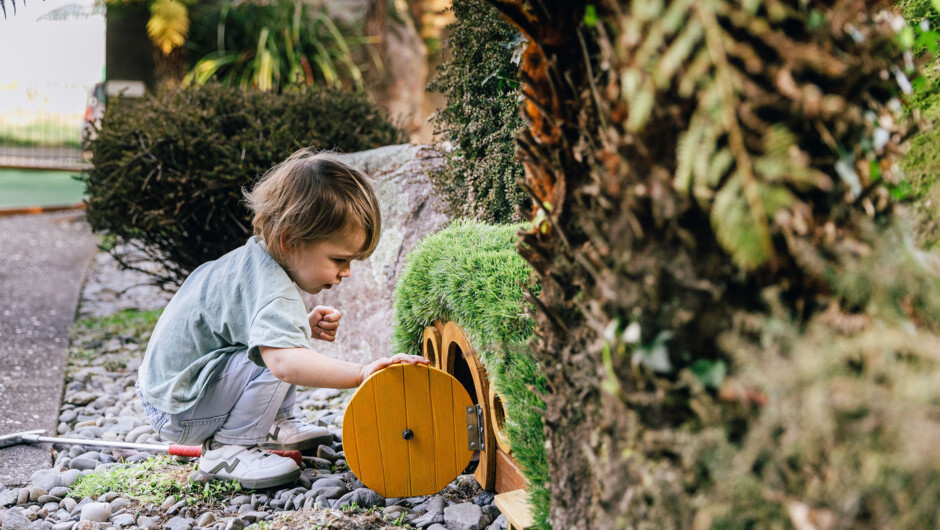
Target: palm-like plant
(270, 46)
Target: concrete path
(43, 260)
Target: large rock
(410, 211)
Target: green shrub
(481, 118)
(168, 170)
(470, 274)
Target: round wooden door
(405, 431)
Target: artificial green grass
(29, 187)
(470, 274)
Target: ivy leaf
(710, 373)
(655, 355)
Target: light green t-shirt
(242, 300)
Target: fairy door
(409, 430)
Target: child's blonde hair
(311, 197)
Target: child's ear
(285, 247)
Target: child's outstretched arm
(304, 367)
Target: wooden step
(515, 506)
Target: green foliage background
(168, 171)
(470, 273)
(481, 118)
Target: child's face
(321, 265)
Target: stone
(327, 453)
(241, 499)
(96, 511)
(49, 499)
(46, 479)
(8, 497)
(68, 504)
(403, 188)
(64, 525)
(35, 492)
(500, 523)
(330, 483)
(330, 492)
(393, 511)
(234, 523)
(23, 496)
(124, 519)
(428, 519)
(367, 498)
(179, 523)
(15, 520)
(109, 496)
(70, 477)
(484, 498)
(61, 492)
(80, 398)
(83, 464)
(463, 516)
(119, 503)
(437, 526)
(168, 503)
(205, 519)
(148, 522)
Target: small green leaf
(590, 15)
(710, 373)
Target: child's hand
(378, 364)
(324, 320)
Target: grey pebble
(70, 477)
(109, 496)
(47, 479)
(119, 503)
(68, 504)
(501, 523)
(179, 523)
(234, 523)
(49, 499)
(23, 496)
(8, 497)
(168, 503)
(64, 525)
(61, 492)
(428, 519)
(205, 519)
(35, 492)
(96, 511)
(464, 516)
(125, 519)
(241, 499)
(148, 522)
(83, 464)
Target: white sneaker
(252, 467)
(293, 434)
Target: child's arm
(300, 366)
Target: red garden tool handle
(195, 451)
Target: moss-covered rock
(471, 274)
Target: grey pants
(238, 406)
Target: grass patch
(153, 481)
(124, 322)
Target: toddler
(226, 355)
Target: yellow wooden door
(405, 431)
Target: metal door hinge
(475, 435)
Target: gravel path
(99, 403)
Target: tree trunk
(644, 256)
